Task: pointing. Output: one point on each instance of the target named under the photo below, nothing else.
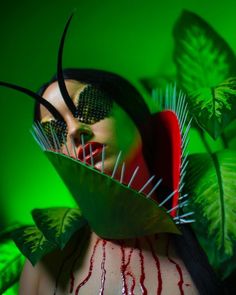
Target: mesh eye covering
(60, 129)
(93, 105)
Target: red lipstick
(84, 153)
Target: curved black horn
(60, 77)
(37, 97)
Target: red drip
(142, 276)
(123, 269)
(103, 277)
(90, 269)
(159, 278)
(178, 268)
(129, 273)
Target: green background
(132, 38)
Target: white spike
(146, 184)
(154, 188)
(174, 97)
(83, 147)
(39, 137)
(103, 158)
(183, 114)
(180, 103)
(180, 205)
(181, 187)
(184, 215)
(182, 197)
(134, 174)
(116, 164)
(167, 198)
(122, 173)
(183, 221)
(186, 131)
(184, 160)
(185, 146)
(184, 167)
(183, 122)
(182, 177)
(74, 148)
(91, 155)
(45, 135)
(64, 141)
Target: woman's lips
(84, 154)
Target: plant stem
(207, 146)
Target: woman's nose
(79, 132)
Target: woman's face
(115, 130)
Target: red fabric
(167, 151)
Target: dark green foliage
(205, 63)
(58, 224)
(11, 263)
(211, 183)
(32, 243)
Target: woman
(89, 111)
(157, 264)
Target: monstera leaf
(202, 57)
(211, 180)
(214, 108)
(112, 209)
(58, 224)
(11, 263)
(32, 243)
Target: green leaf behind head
(32, 243)
(214, 108)
(11, 263)
(202, 57)
(58, 224)
(211, 180)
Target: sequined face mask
(92, 106)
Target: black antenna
(37, 97)
(60, 76)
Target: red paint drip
(122, 270)
(103, 277)
(142, 276)
(158, 266)
(129, 273)
(90, 269)
(178, 268)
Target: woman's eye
(93, 105)
(56, 132)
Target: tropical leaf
(211, 180)
(32, 243)
(214, 108)
(202, 57)
(58, 224)
(11, 263)
(13, 290)
(112, 209)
